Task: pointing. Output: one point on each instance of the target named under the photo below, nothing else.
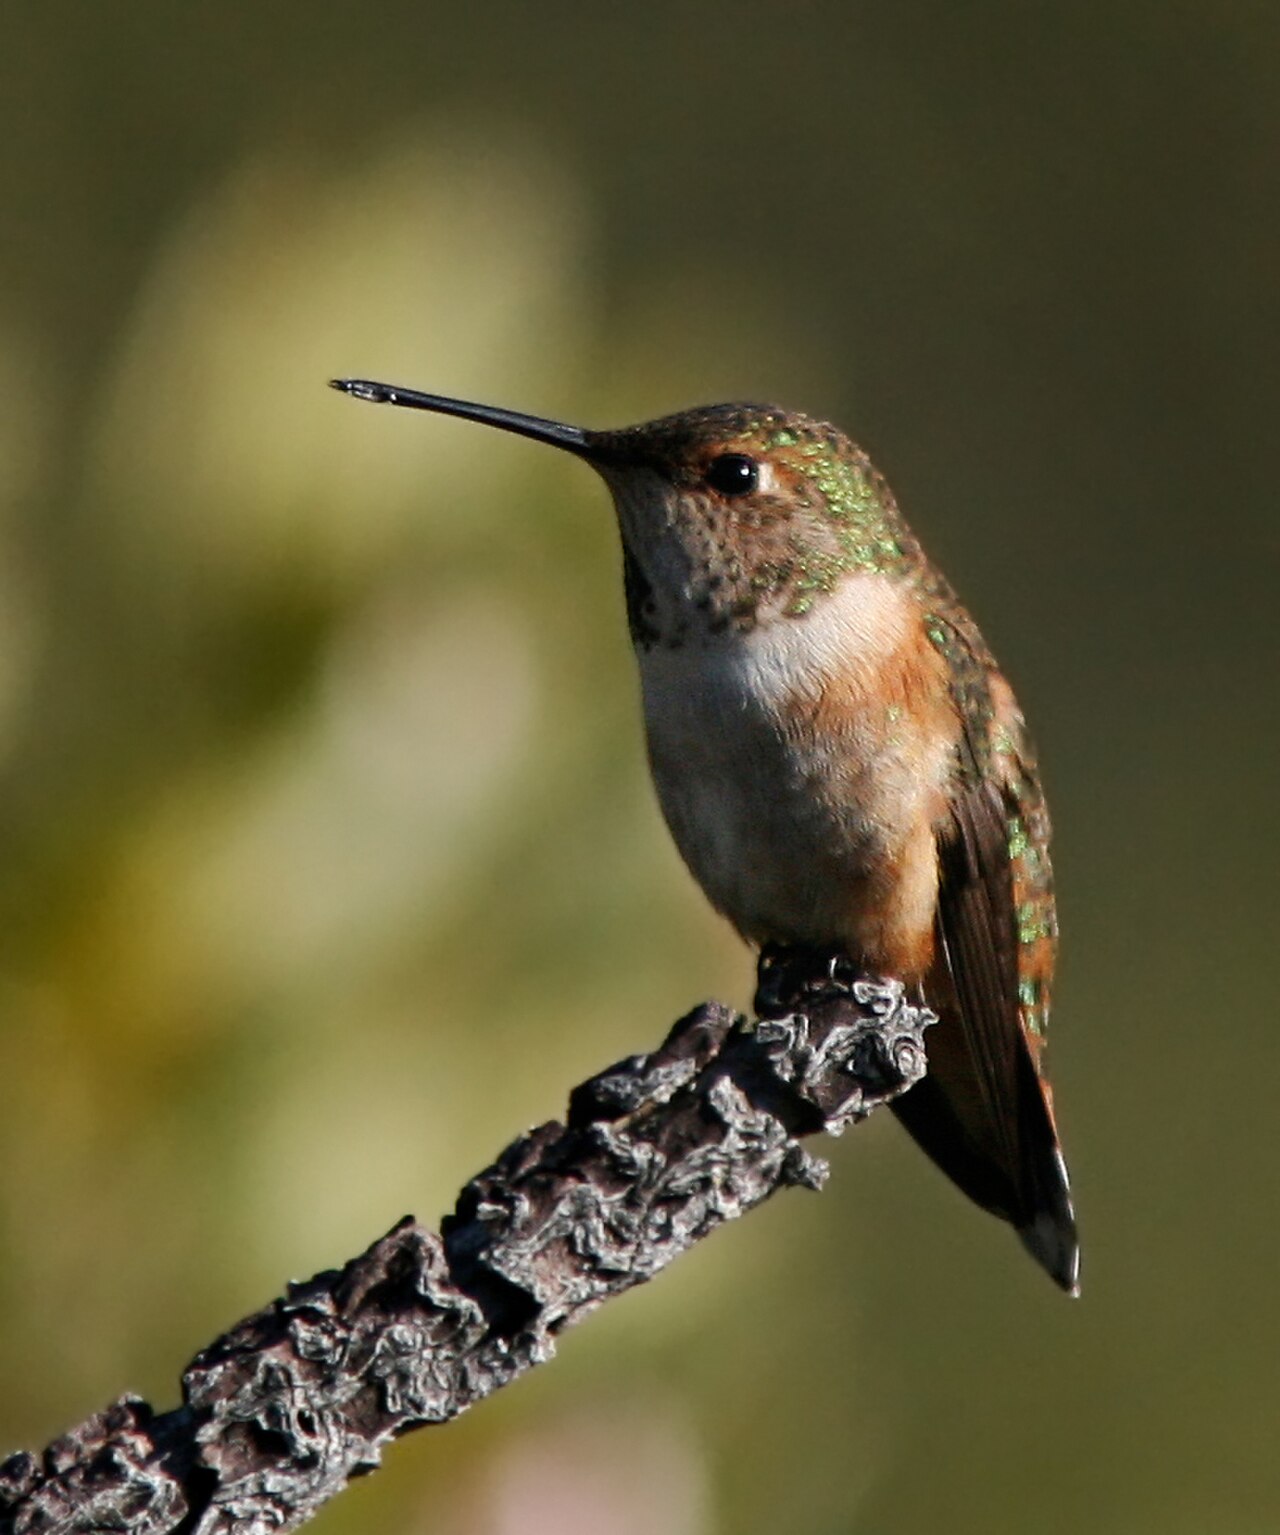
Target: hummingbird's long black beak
(572, 438)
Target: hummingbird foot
(790, 975)
(800, 987)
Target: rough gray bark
(280, 1412)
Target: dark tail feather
(1046, 1221)
(1052, 1242)
(1034, 1195)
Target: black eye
(733, 474)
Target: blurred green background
(329, 856)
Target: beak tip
(361, 389)
(556, 433)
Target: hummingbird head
(730, 515)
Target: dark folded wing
(984, 1112)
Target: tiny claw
(909, 1060)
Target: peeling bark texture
(283, 1410)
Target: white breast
(773, 802)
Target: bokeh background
(329, 856)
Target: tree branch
(280, 1412)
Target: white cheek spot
(855, 629)
(707, 687)
(766, 476)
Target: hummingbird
(839, 758)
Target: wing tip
(1050, 1237)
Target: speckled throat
(697, 563)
